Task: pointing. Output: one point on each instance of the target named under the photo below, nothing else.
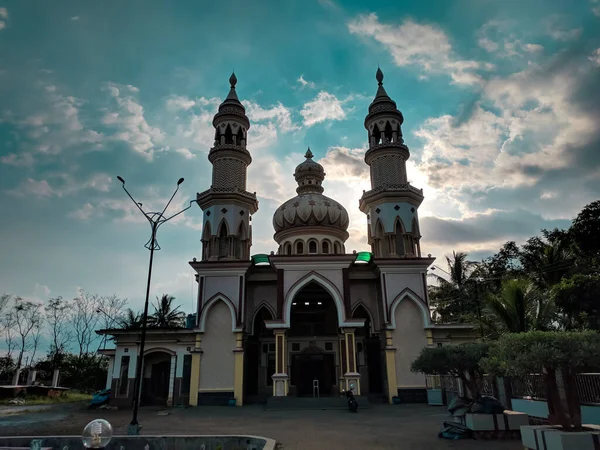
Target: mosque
(309, 319)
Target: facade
(310, 317)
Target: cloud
(3, 13)
(21, 159)
(99, 182)
(75, 18)
(61, 185)
(414, 44)
(556, 28)
(278, 114)
(342, 163)
(185, 152)
(84, 213)
(131, 124)
(325, 106)
(304, 83)
(37, 188)
(179, 102)
(595, 57)
(534, 48)
(502, 38)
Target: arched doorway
(155, 385)
(313, 341)
(257, 359)
(369, 354)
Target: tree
(57, 316)
(579, 300)
(546, 261)
(165, 316)
(110, 310)
(519, 307)
(550, 354)
(460, 361)
(27, 317)
(84, 320)
(131, 320)
(585, 231)
(454, 297)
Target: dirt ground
(380, 427)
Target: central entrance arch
(313, 339)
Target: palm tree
(131, 321)
(518, 307)
(546, 262)
(454, 296)
(165, 316)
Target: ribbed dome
(310, 207)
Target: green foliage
(586, 229)
(131, 320)
(461, 361)
(85, 373)
(165, 315)
(579, 298)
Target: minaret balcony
(236, 150)
(403, 191)
(224, 195)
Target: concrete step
(310, 403)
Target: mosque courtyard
(379, 427)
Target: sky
(500, 99)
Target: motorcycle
(352, 403)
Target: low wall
(538, 408)
(153, 442)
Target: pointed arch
(379, 246)
(325, 284)
(360, 305)
(242, 231)
(409, 294)
(228, 135)
(206, 232)
(218, 297)
(159, 350)
(223, 229)
(264, 306)
(388, 131)
(376, 134)
(399, 244)
(240, 136)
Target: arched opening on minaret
(416, 238)
(326, 247)
(312, 247)
(223, 241)
(313, 337)
(228, 135)
(240, 136)
(206, 237)
(399, 238)
(379, 244)
(388, 131)
(376, 134)
(242, 242)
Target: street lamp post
(155, 219)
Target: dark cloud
(515, 225)
(342, 162)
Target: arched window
(299, 248)
(287, 249)
(399, 239)
(326, 247)
(312, 247)
(388, 131)
(228, 135)
(380, 247)
(337, 249)
(223, 242)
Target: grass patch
(67, 397)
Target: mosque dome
(310, 208)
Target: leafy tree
(57, 318)
(546, 261)
(165, 316)
(585, 231)
(461, 361)
(27, 318)
(519, 307)
(579, 299)
(86, 373)
(550, 354)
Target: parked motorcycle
(352, 403)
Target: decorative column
(429, 334)
(351, 375)
(172, 369)
(390, 365)
(195, 371)
(109, 372)
(238, 383)
(280, 377)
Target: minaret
(391, 204)
(227, 205)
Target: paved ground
(380, 427)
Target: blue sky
(500, 101)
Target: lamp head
(179, 181)
(121, 179)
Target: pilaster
(390, 366)
(172, 371)
(238, 383)
(351, 375)
(280, 377)
(195, 371)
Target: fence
(531, 387)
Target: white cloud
(185, 152)
(99, 182)
(595, 57)
(180, 102)
(324, 107)
(37, 188)
(304, 83)
(84, 213)
(534, 48)
(132, 126)
(3, 13)
(487, 44)
(2, 25)
(423, 45)
(557, 29)
(21, 159)
(75, 18)
(62, 184)
(278, 114)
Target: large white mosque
(309, 315)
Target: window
(312, 247)
(288, 249)
(295, 347)
(299, 248)
(123, 377)
(325, 247)
(329, 346)
(337, 248)
(399, 240)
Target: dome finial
(232, 80)
(379, 76)
(308, 154)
